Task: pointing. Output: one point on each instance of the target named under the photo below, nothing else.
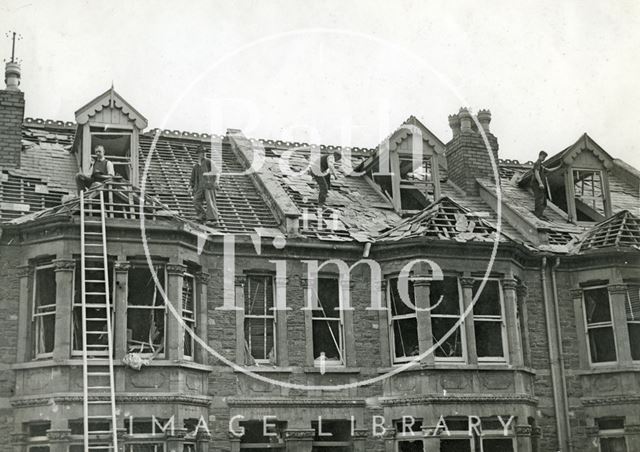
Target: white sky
(548, 71)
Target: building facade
(284, 327)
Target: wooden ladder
(98, 398)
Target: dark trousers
(324, 184)
(83, 182)
(204, 202)
(540, 196)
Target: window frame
(266, 316)
(191, 321)
(341, 346)
(38, 317)
(391, 319)
(463, 336)
(634, 321)
(609, 324)
(116, 160)
(487, 318)
(163, 267)
(603, 197)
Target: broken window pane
(602, 346)
(589, 195)
(633, 320)
(259, 319)
(488, 320)
(44, 310)
(328, 323)
(446, 306)
(188, 312)
(145, 311)
(404, 323)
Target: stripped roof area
(354, 210)
(443, 220)
(240, 204)
(621, 230)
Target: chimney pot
(454, 123)
(484, 118)
(12, 76)
(465, 120)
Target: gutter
(555, 358)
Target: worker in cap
(204, 183)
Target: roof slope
(241, 206)
(443, 220)
(354, 210)
(621, 230)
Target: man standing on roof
(321, 171)
(205, 181)
(100, 170)
(539, 185)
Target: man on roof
(100, 170)
(321, 170)
(205, 181)
(540, 186)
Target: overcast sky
(340, 72)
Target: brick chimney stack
(11, 117)
(466, 153)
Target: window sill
(78, 362)
(609, 369)
(458, 366)
(332, 370)
(266, 369)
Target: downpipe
(555, 359)
(563, 377)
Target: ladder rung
(96, 305)
(95, 293)
(93, 268)
(92, 233)
(94, 281)
(96, 332)
(93, 244)
(102, 346)
(99, 416)
(99, 402)
(96, 319)
(98, 387)
(93, 256)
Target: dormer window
(589, 194)
(405, 167)
(581, 187)
(110, 121)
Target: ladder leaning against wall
(99, 403)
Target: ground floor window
(611, 435)
(146, 311)
(331, 435)
(409, 437)
(38, 440)
(487, 436)
(263, 435)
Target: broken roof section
(443, 220)
(621, 230)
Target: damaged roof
(356, 209)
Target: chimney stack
(11, 117)
(467, 155)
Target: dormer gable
(405, 167)
(110, 121)
(581, 186)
